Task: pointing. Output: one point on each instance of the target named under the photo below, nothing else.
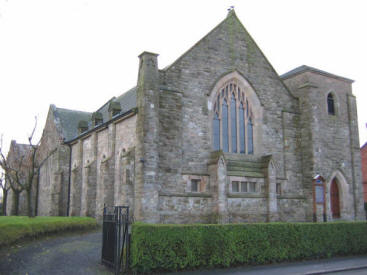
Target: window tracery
(232, 120)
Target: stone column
(146, 181)
(308, 125)
(271, 185)
(91, 179)
(356, 159)
(222, 191)
(109, 180)
(76, 182)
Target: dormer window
(114, 108)
(330, 104)
(97, 118)
(82, 126)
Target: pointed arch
(330, 104)
(235, 105)
(345, 200)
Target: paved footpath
(69, 254)
(340, 265)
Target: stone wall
(329, 141)
(187, 88)
(364, 170)
(149, 160)
(53, 158)
(100, 162)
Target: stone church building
(217, 136)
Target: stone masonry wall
(185, 145)
(53, 158)
(328, 144)
(364, 170)
(125, 161)
(99, 168)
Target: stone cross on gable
(230, 8)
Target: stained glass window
(242, 129)
(216, 133)
(225, 126)
(230, 123)
(234, 124)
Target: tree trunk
(15, 210)
(29, 203)
(5, 201)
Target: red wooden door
(334, 197)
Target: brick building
(217, 136)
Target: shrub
(175, 247)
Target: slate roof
(127, 102)
(67, 121)
(304, 68)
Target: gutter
(69, 181)
(117, 117)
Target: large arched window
(330, 104)
(232, 120)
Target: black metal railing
(116, 238)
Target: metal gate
(116, 238)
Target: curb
(326, 271)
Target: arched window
(330, 104)
(232, 120)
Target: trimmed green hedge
(13, 228)
(175, 247)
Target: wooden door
(334, 198)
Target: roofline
(70, 110)
(199, 41)
(109, 101)
(133, 110)
(364, 145)
(314, 70)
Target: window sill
(245, 195)
(188, 194)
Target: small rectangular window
(243, 186)
(279, 191)
(235, 186)
(252, 186)
(195, 183)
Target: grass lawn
(14, 228)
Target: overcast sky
(77, 54)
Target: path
(69, 254)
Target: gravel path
(71, 254)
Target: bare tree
(5, 186)
(22, 173)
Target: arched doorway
(334, 199)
